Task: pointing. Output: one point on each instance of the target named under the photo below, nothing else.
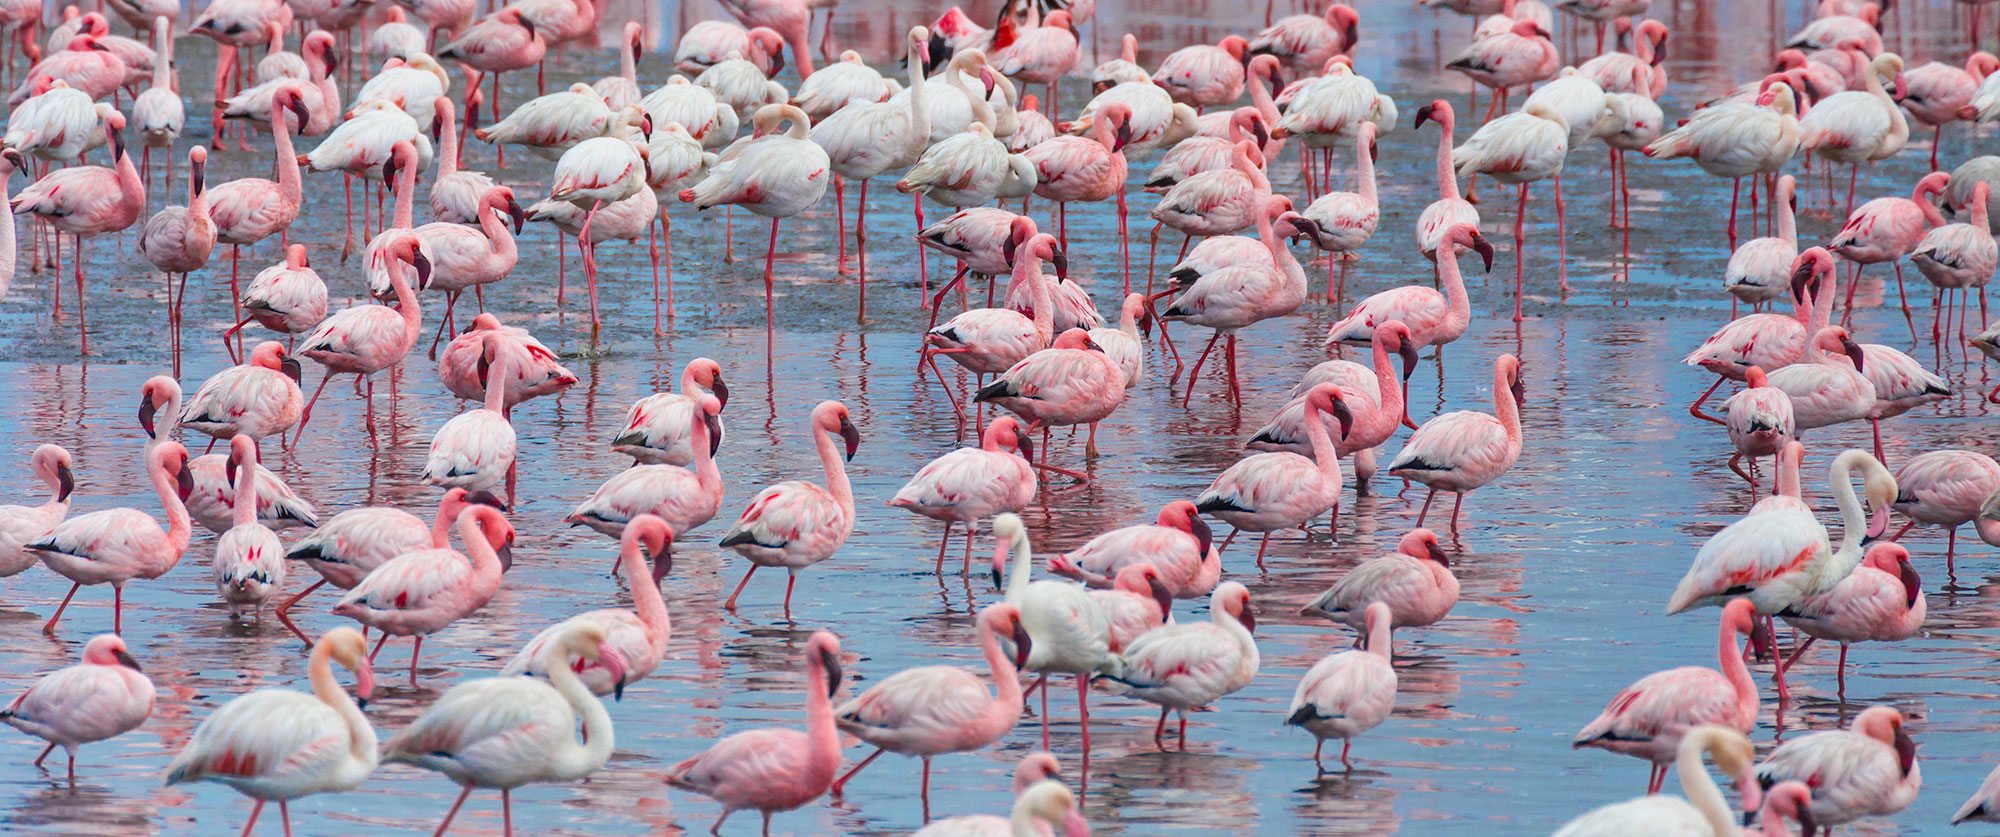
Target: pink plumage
(102, 697)
(796, 524)
(257, 399)
(1868, 769)
(775, 769)
(1415, 582)
(1180, 545)
(422, 592)
(1462, 451)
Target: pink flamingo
(1704, 809)
(1072, 382)
(1952, 257)
(88, 201)
(257, 399)
(1208, 152)
(1868, 769)
(1122, 69)
(864, 139)
(969, 169)
(640, 634)
(1415, 582)
(1123, 344)
(287, 297)
(1433, 318)
(1760, 423)
(708, 42)
(1377, 402)
(773, 769)
(1214, 202)
(421, 592)
(1265, 492)
(740, 85)
(1233, 298)
(1642, 70)
(796, 524)
(983, 240)
(1071, 169)
(991, 340)
(115, 546)
(21, 524)
(317, 90)
(1519, 56)
(1831, 30)
(250, 209)
(158, 109)
(1041, 54)
(1758, 268)
(1737, 139)
(1648, 718)
(933, 710)
(1985, 803)
(1828, 386)
(476, 449)
(280, 745)
(505, 732)
(357, 541)
(553, 124)
(1179, 545)
(1881, 600)
(1068, 631)
(467, 257)
(1348, 693)
(629, 219)
(503, 41)
(1042, 804)
(1157, 120)
(1948, 489)
(659, 429)
(1205, 75)
(684, 499)
(1305, 42)
(1136, 603)
(1859, 126)
(776, 175)
(1342, 222)
(791, 18)
(1327, 111)
(211, 502)
(533, 373)
(179, 239)
(1769, 341)
(623, 89)
(969, 484)
(1519, 149)
(1190, 665)
(249, 560)
(105, 696)
(1450, 209)
(606, 170)
(455, 192)
(84, 63)
(367, 339)
(1936, 94)
(1900, 384)
(396, 36)
(1461, 451)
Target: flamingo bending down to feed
(1461, 451)
(1648, 718)
(1265, 492)
(115, 546)
(105, 696)
(640, 634)
(796, 524)
(934, 710)
(419, 593)
(969, 484)
(1190, 665)
(775, 769)
(1179, 544)
(280, 745)
(505, 732)
(1348, 693)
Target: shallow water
(1566, 563)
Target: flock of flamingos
(954, 128)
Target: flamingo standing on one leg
(1459, 452)
(771, 769)
(776, 175)
(1760, 268)
(1519, 149)
(1342, 222)
(103, 697)
(796, 524)
(600, 171)
(115, 546)
(420, 593)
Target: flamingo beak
(1022, 644)
(146, 410)
(714, 433)
(423, 266)
(1062, 265)
(184, 482)
(1437, 554)
(126, 660)
(1906, 750)
(1913, 585)
(1122, 136)
(66, 480)
(486, 498)
(229, 470)
(1485, 249)
(1424, 114)
(998, 565)
(1902, 87)
(1853, 351)
(299, 111)
(519, 215)
(290, 366)
(851, 436)
(1519, 392)
(1203, 534)
(1344, 416)
(1025, 446)
(364, 682)
(721, 391)
(1407, 349)
(831, 665)
(1161, 596)
(1248, 618)
(613, 661)
(663, 560)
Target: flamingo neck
(497, 375)
(165, 485)
(1006, 681)
(1102, 133)
(361, 744)
(1260, 96)
(1504, 407)
(646, 599)
(822, 736)
(706, 474)
(1325, 455)
(920, 111)
(406, 196)
(1128, 323)
(1447, 176)
(498, 237)
(1458, 313)
(441, 526)
(1378, 638)
(1364, 173)
(244, 510)
(1822, 305)
(166, 420)
(1387, 393)
(1700, 789)
(1853, 519)
(796, 37)
(1021, 573)
(163, 48)
(1788, 477)
(570, 761)
(447, 161)
(1729, 656)
(628, 68)
(131, 190)
(1979, 217)
(1029, 270)
(982, 110)
(836, 470)
(7, 243)
(406, 300)
(288, 161)
(1788, 228)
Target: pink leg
(50, 628)
(284, 815)
(45, 754)
(285, 607)
(1427, 507)
(1192, 374)
(861, 249)
(1562, 241)
(923, 260)
(790, 581)
(1455, 504)
(1160, 730)
(1041, 685)
(842, 781)
(840, 220)
(769, 255)
(1735, 190)
(416, 652)
(449, 815)
(1520, 247)
(942, 543)
(1083, 712)
(731, 604)
(506, 813)
(1695, 408)
(255, 810)
(1262, 546)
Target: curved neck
(982, 110)
(706, 474)
(836, 470)
(1387, 392)
(1022, 572)
(165, 485)
(288, 162)
(1853, 519)
(406, 196)
(497, 375)
(360, 734)
(1447, 177)
(1459, 313)
(1979, 218)
(56, 500)
(1128, 323)
(499, 238)
(1324, 453)
(1378, 638)
(163, 49)
(244, 510)
(646, 599)
(920, 111)
(1260, 96)
(1701, 789)
(441, 526)
(628, 67)
(131, 190)
(822, 736)
(570, 761)
(1503, 405)
(406, 300)
(1006, 681)
(1729, 656)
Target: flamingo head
(288, 98)
(1234, 599)
(1237, 46)
(657, 538)
(1149, 575)
(711, 421)
(1007, 527)
(767, 44)
(1790, 800)
(1439, 110)
(1395, 335)
(1509, 367)
(1005, 432)
(1036, 767)
(53, 462)
(823, 653)
(347, 648)
(242, 454)
(159, 391)
(1005, 619)
(1265, 66)
(1182, 515)
(109, 650)
(14, 160)
(831, 417)
(1527, 28)
(405, 247)
(172, 458)
(1806, 270)
(1326, 398)
(1019, 230)
(1423, 543)
(708, 374)
(1467, 235)
(1348, 21)
(1741, 617)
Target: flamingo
(1825, 387)
(1761, 423)
(455, 192)
(505, 732)
(1759, 268)
(396, 37)
(1206, 152)
(357, 541)
(969, 484)
(773, 769)
(1882, 600)
(179, 239)
(1329, 110)
(791, 18)
(796, 524)
(1984, 804)
(115, 546)
(741, 85)
(367, 339)
(1414, 582)
(158, 110)
(1938, 94)
(1519, 149)
(1377, 397)
(1348, 693)
(1305, 42)
(969, 169)
(640, 634)
(552, 124)
(22, 524)
(476, 449)
(288, 297)
(934, 710)
(250, 209)
(1188, 666)
(674, 161)
(1703, 809)
(1461, 451)
(605, 170)
(1450, 209)
(1859, 126)
(684, 499)
(833, 86)
(1205, 75)
(1640, 71)
(865, 138)
(1831, 30)
(992, 340)
(84, 62)
(420, 592)
(1737, 139)
(465, 257)
(503, 41)
(103, 697)
(1123, 344)
(58, 124)
(1953, 257)
(211, 502)
(1072, 382)
(280, 745)
(1119, 70)
(680, 101)
(1068, 630)
(1650, 718)
(535, 372)
(1069, 169)
(1137, 602)
(1948, 489)
(623, 220)
(1342, 222)
(1769, 341)
(658, 429)
(88, 201)
(257, 399)
(1214, 202)
(1432, 318)
(777, 175)
(1265, 492)
(249, 562)
(708, 42)
(1179, 545)
(1157, 120)
(1605, 11)
(1042, 804)
(1234, 298)
(623, 89)
(1520, 55)
(1901, 384)
(316, 88)
(1041, 54)
(1868, 769)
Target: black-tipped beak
(506, 554)
(721, 391)
(663, 563)
(1204, 535)
(1485, 249)
(997, 583)
(1122, 136)
(1022, 644)
(519, 215)
(65, 481)
(146, 411)
(423, 266)
(1353, 34)
(831, 665)
(199, 175)
(14, 159)
(1802, 288)
(1407, 349)
(1424, 114)
(290, 366)
(646, 127)
(1161, 596)
(1853, 351)
(1062, 264)
(486, 498)
(1437, 554)
(126, 660)
(184, 482)
(618, 689)
(1374, 151)
(714, 425)
(229, 470)
(1343, 416)
(437, 127)
(389, 168)
(1906, 750)
(1026, 447)
(1519, 392)
(851, 436)
(639, 51)
(1248, 617)
(299, 110)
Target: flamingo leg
(1900, 297)
(1160, 730)
(790, 581)
(286, 606)
(416, 652)
(255, 810)
(1262, 546)
(82, 319)
(1520, 247)
(731, 604)
(1083, 712)
(50, 628)
(1426, 510)
(1695, 408)
(1735, 189)
(1562, 241)
(923, 260)
(45, 754)
(1796, 654)
(861, 250)
(1040, 684)
(945, 542)
(449, 815)
(1196, 372)
(842, 781)
(770, 255)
